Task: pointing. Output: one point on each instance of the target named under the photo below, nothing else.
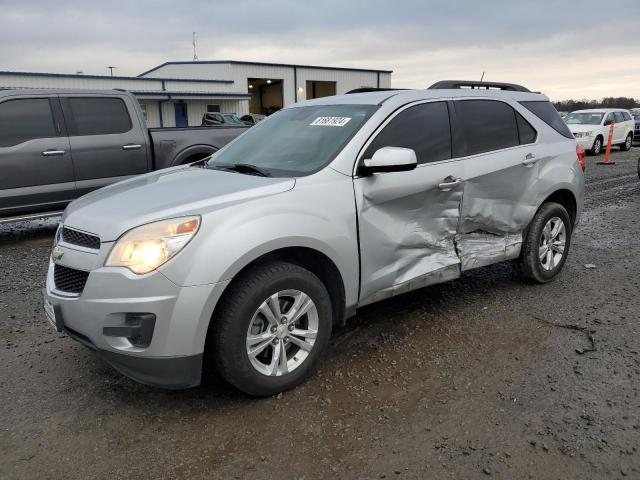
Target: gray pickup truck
(56, 145)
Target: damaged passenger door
(500, 196)
(407, 221)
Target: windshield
(584, 118)
(295, 141)
(232, 118)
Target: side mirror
(607, 123)
(389, 159)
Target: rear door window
(25, 119)
(424, 128)
(549, 115)
(619, 117)
(488, 125)
(98, 116)
(626, 116)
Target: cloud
(544, 45)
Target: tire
(638, 168)
(596, 148)
(626, 146)
(238, 322)
(543, 270)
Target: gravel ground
(483, 376)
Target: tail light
(581, 157)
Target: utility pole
(195, 55)
(482, 77)
(111, 69)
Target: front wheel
(546, 245)
(272, 328)
(596, 148)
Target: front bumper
(586, 142)
(173, 356)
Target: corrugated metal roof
(263, 64)
(109, 77)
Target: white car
(591, 128)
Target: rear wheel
(272, 328)
(546, 245)
(626, 146)
(596, 148)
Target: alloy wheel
(597, 146)
(282, 332)
(552, 243)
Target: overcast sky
(566, 49)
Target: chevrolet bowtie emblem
(57, 254)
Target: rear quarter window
(549, 115)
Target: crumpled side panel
(404, 239)
(438, 276)
(501, 201)
(479, 249)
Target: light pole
(111, 70)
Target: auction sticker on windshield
(331, 121)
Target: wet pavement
(482, 377)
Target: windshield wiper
(244, 168)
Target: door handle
(131, 146)
(530, 159)
(449, 183)
(52, 153)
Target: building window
(213, 108)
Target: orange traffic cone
(607, 155)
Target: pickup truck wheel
(626, 146)
(596, 148)
(272, 328)
(546, 245)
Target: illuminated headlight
(583, 134)
(145, 248)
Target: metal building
(179, 93)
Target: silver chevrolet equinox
(244, 262)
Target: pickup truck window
(99, 116)
(25, 119)
(297, 141)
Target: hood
(583, 128)
(111, 211)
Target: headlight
(145, 248)
(58, 236)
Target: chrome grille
(81, 239)
(68, 279)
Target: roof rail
(457, 84)
(372, 89)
